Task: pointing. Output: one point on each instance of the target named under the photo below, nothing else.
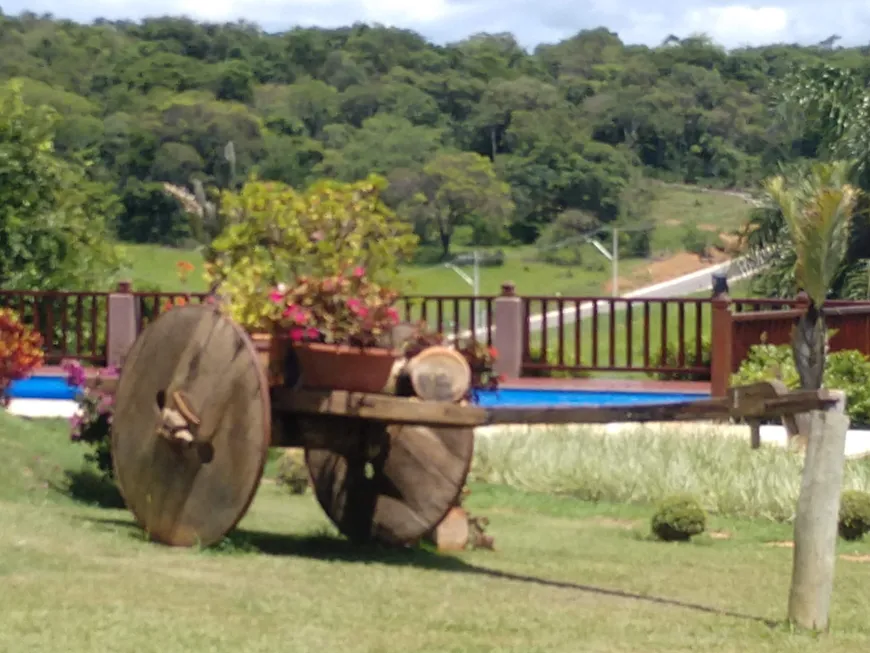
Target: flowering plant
(346, 308)
(20, 349)
(93, 421)
(480, 357)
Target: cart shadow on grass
(328, 547)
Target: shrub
(695, 241)
(292, 471)
(847, 370)
(536, 356)
(20, 349)
(678, 518)
(854, 520)
(93, 422)
(671, 359)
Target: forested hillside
(508, 140)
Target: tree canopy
(479, 134)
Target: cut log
(453, 532)
(439, 374)
(191, 427)
(388, 483)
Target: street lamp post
(473, 281)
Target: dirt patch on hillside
(665, 269)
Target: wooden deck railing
(693, 338)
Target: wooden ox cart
(195, 416)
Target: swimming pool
(56, 388)
(548, 397)
(42, 387)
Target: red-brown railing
(579, 335)
(151, 304)
(850, 320)
(460, 316)
(670, 337)
(72, 324)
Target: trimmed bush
(854, 520)
(678, 518)
(292, 471)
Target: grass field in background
(567, 575)
(671, 209)
(674, 207)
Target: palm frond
(817, 210)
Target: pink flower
(296, 334)
(312, 333)
(393, 315)
(359, 272)
(354, 305)
(276, 296)
(296, 314)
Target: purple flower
(75, 373)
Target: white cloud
(532, 21)
(739, 24)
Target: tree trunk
(444, 236)
(808, 347)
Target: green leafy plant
(847, 370)
(678, 518)
(854, 517)
(536, 355)
(275, 234)
(671, 360)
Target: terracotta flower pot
(341, 367)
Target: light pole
(473, 281)
(612, 256)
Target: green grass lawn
(673, 207)
(566, 576)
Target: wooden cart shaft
(752, 402)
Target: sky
(532, 22)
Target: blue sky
(532, 22)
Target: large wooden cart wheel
(389, 483)
(191, 427)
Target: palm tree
(817, 210)
(828, 110)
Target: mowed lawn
(156, 267)
(567, 576)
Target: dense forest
(515, 145)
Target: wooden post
(121, 328)
(509, 329)
(720, 339)
(815, 528)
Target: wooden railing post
(121, 327)
(721, 338)
(508, 337)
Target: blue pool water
(42, 387)
(538, 397)
(55, 387)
